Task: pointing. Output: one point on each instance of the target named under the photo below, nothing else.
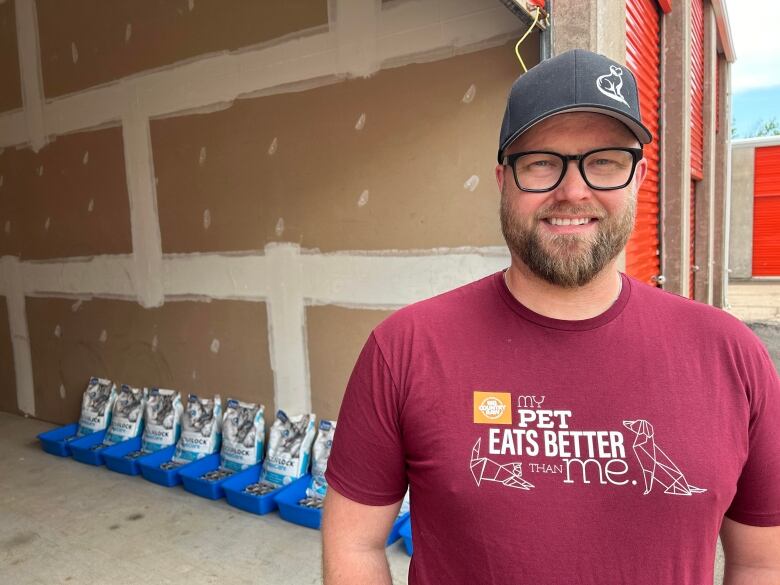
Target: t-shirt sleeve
(367, 463)
(757, 501)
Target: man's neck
(572, 304)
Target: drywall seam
(356, 278)
(144, 222)
(356, 28)
(20, 336)
(287, 328)
(30, 71)
(13, 128)
(101, 276)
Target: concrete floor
(65, 522)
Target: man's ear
(500, 177)
(640, 173)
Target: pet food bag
(201, 429)
(243, 435)
(162, 419)
(289, 449)
(127, 416)
(319, 462)
(96, 406)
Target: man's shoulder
(678, 312)
(438, 312)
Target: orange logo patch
(493, 408)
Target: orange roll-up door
(643, 58)
(766, 212)
(697, 89)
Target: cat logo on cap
(492, 408)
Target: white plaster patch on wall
(74, 52)
(47, 224)
(470, 94)
(191, 5)
(363, 199)
(12, 280)
(39, 171)
(58, 330)
(273, 146)
(155, 343)
(76, 306)
(279, 229)
(206, 219)
(62, 391)
(102, 275)
(202, 156)
(471, 183)
(361, 122)
(128, 32)
(91, 206)
(85, 158)
(7, 227)
(214, 347)
(103, 336)
(194, 374)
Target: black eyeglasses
(603, 169)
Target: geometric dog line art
(656, 465)
(485, 469)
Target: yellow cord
(528, 32)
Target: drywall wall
(335, 337)
(11, 85)
(91, 42)
(191, 346)
(401, 160)
(69, 199)
(182, 125)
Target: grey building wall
(741, 216)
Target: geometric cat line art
(656, 465)
(485, 469)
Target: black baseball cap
(574, 81)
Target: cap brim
(639, 130)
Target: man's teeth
(567, 221)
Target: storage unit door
(766, 212)
(643, 58)
(697, 89)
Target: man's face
(599, 223)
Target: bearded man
(560, 422)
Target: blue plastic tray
(190, 477)
(150, 468)
(114, 456)
(234, 492)
(406, 533)
(56, 441)
(288, 499)
(82, 449)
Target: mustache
(566, 209)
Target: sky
(755, 76)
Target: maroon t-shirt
(541, 451)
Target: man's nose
(573, 186)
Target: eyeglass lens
(602, 169)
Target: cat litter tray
(406, 533)
(115, 460)
(290, 510)
(82, 449)
(150, 468)
(193, 482)
(57, 441)
(234, 492)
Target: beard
(567, 260)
